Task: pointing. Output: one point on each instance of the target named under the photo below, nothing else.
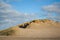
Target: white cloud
(52, 8)
(53, 11)
(9, 16)
(7, 1)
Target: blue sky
(31, 6)
(13, 12)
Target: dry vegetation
(7, 32)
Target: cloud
(5, 14)
(7, 1)
(10, 17)
(52, 8)
(53, 11)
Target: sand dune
(35, 29)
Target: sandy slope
(38, 29)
